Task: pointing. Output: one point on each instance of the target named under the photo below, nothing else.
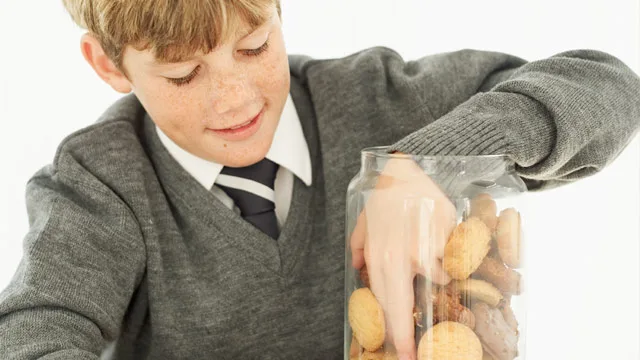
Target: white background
(583, 253)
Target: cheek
(172, 110)
(274, 76)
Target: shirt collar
(288, 149)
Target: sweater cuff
(487, 124)
(456, 134)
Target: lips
(240, 131)
(241, 125)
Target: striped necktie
(252, 190)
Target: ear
(102, 65)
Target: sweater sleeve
(82, 260)
(560, 119)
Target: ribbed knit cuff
(458, 134)
(487, 124)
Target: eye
(185, 80)
(258, 51)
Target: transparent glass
(481, 312)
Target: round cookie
(449, 340)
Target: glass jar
(478, 309)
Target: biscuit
(507, 280)
(467, 246)
(478, 289)
(376, 355)
(447, 307)
(509, 237)
(498, 339)
(449, 340)
(484, 207)
(366, 319)
(486, 356)
(508, 314)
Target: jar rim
(382, 151)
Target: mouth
(241, 131)
(243, 125)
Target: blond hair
(173, 29)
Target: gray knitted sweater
(127, 251)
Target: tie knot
(263, 172)
(250, 187)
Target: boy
(203, 215)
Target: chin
(245, 156)
(248, 159)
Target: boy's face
(223, 106)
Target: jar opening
(384, 153)
(452, 172)
(459, 177)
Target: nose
(233, 93)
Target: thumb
(357, 241)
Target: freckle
(225, 145)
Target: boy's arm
(83, 258)
(560, 118)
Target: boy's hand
(402, 232)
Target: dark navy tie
(252, 190)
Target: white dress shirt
(289, 149)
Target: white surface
(583, 252)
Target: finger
(439, 240)
(438, 274)
(399, 301)
(434, 271)
(376, 279)
(357, 241)
(443, 226)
